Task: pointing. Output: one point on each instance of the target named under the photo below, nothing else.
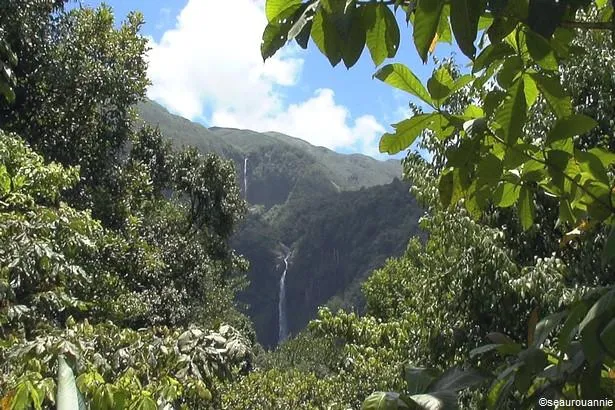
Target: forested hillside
(340, 214)
(121, 267)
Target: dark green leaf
(572, 322)
(608, 253)
(545, 16)
(326, 36)
(456, 379)
(607, 336)
(526, 208)
(489, 170)
(427, 17)
(559, 103)
(546, 326)
(604, 306)
(445, 187)
(540, 50)
(418, 379)
(464, 22)
(576, 124)
(512, 112)
(355, 36)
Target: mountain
(320, 219)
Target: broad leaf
(456, 379)
(325, 34)
(275, 7)
(540, 50)
(418, 379)
(464, 22)
(439, 400)
(399, 76)
(546, 326)
(511, 114)
(526, 208)
(427, 17)
(440, 84)
(608, 252)
(276, 32)
(385, 401)
(382, 36)
(576, 124)
(355, 36)
(557, 100)
(406, 133)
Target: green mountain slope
(276, 161)
(341, 215)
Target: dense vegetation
(115, 264)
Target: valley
(318, 221)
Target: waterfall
(245, 178)
(282, 321)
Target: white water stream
(245, 178)
(282, 320)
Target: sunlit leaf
(427, 17)
(399, 76)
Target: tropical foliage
(519, 141)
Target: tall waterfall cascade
(282, 320)
(245, 178)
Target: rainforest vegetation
(119, 283)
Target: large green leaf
(576, 124)
(427, 17)
(399, 76)
(382, 36)
(608, 252)
(566, 334)
(554, 94)
(326, 35)
(506, 194)
(464, 22)
(546, 326)
(275, 7)
(605, 306)
(456, 379)
(406, 132)
(526, 208)
(355, 36)
(512, 112)
(386, 401)
(439, 400)
(440, 85)
(276, 32)
(540, 50)
(418, 379)
(607, 336)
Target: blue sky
(205, 65)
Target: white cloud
(210, 63)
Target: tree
(114, 254)
(497, 155)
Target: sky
(205, 65)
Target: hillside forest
(132, 254)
